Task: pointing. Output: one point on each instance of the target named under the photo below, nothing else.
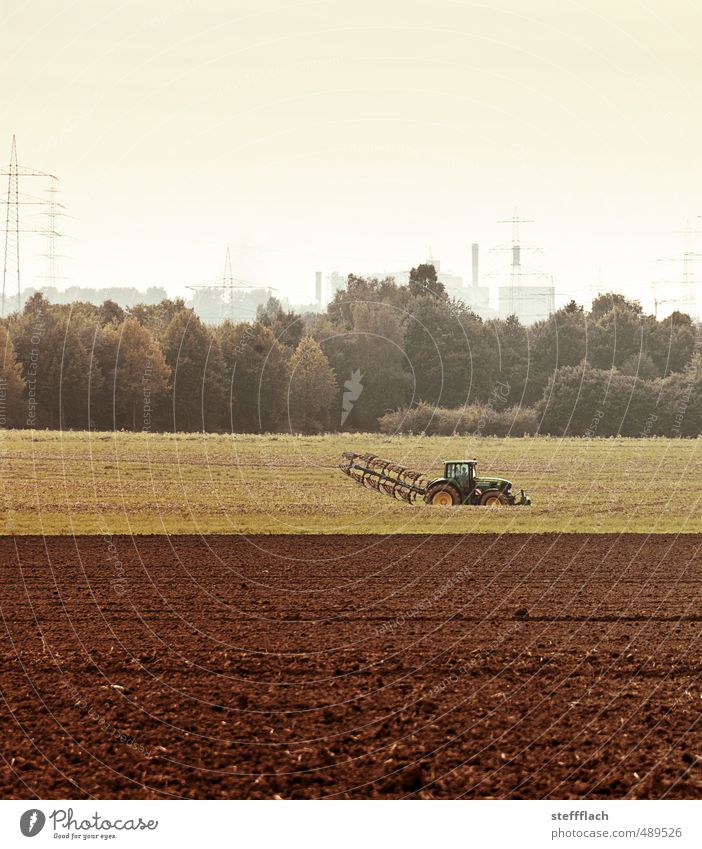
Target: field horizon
(73, 482)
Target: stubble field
(92, 483)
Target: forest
(382, 357)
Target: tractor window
(461, 470)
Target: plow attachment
(384, 476)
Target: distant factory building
(475, 296)
(453, 283)
(400, 277)
(529, 303)
(335, 283)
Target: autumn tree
(197, 373)
(157, 316)
(371, 356)
(286, 326)
(312, 389)
(365, 290)
(12, 383)
(136, 374)
(111, 313)
(54, 344)
(256, 378)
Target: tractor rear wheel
(443, 495)
(493, 498)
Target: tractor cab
(461, 471)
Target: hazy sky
(354, 136)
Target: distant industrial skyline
(327, 136)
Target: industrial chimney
(318, 288)
(475, 277)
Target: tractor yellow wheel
(443, 495)
(493, 498)
(442, 499)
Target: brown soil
(514, 666)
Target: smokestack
(475, 249)
(318, 288)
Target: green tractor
(459, 485)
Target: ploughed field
(351, 666)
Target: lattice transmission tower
(54, 210)
(518, 293)
(689, 257)
(230, 287)
(11, 274)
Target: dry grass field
(97, 483)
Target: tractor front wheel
(493, 498)
(443, 495)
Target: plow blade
(384, 476)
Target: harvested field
(351, 666)
(62, 482)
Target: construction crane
(657, 302)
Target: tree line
(381, 357)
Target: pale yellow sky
(353, 136)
